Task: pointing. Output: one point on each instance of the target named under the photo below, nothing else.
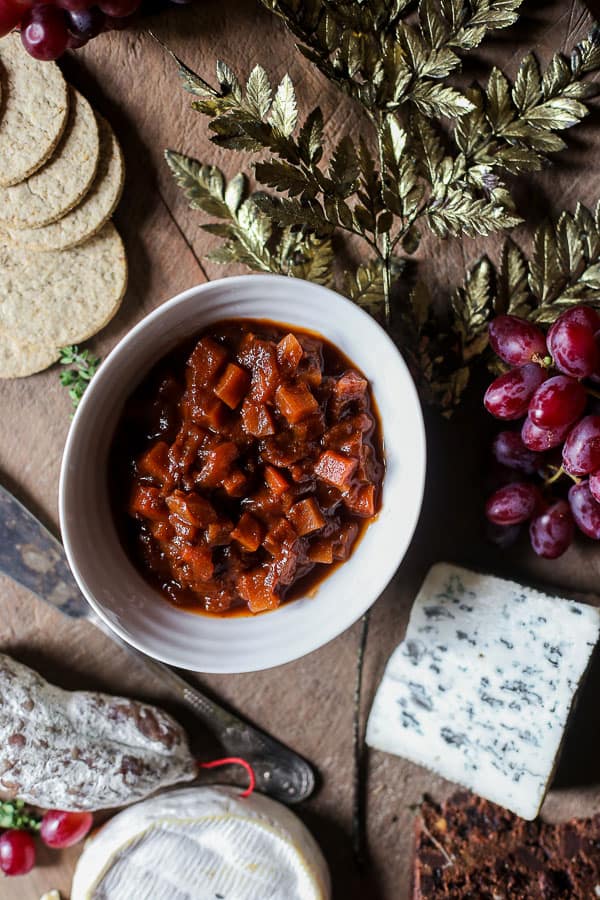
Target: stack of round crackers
(63, 270)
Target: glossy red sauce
(246, 466)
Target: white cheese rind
(202, 843)
(480, 689)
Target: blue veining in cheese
(481, 687)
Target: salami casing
(78, 750)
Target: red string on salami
(233, 761)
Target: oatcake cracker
(55, 299)
(20, 359)
(61, 183)
(92, 213)
(33, 113)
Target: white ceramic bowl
(112, 585)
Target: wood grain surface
(308, 703)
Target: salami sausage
(81, 750)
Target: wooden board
(308, 703)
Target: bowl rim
(382, 577)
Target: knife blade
(33, 557)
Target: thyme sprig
(83, 366)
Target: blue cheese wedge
(481, 687)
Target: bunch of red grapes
(550, 387)
(57, 829)
(53, 26)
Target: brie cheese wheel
(481, 687)
(201, 844)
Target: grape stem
(558, 471)
(593, 393)
(546, 362)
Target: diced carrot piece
(162, 531)
(306, 516)
(232, 385)
(249, 532)
(321, 552)
(214, 414)
(155, 462)
(280, 535)
(257, 419)
(192, 508)
(207, 358)
(295, 402)
(218, 534)
(335, 469)
(198, 561)
(217, 464)
(361, 501)
(256, 589)
(289, 353)
(276, 481)
(235, 483)
(147, 502)
(182, 528)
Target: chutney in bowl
(131, 604)
(245, 467)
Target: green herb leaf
(84, 366)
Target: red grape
(513, 504)
(585, 509)
(509, 450)
(10, 16)
(17, 852)
(558, 402)
(573, 348)
(117, 9)
(594, 484)
(44, 32)
(551, 532)
(516, 340)
(581, 453)
(583, 315)
(509, 395)
(63, 829)
(540, 439)
(85, 24)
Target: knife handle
(280, 773)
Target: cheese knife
(34, 558)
